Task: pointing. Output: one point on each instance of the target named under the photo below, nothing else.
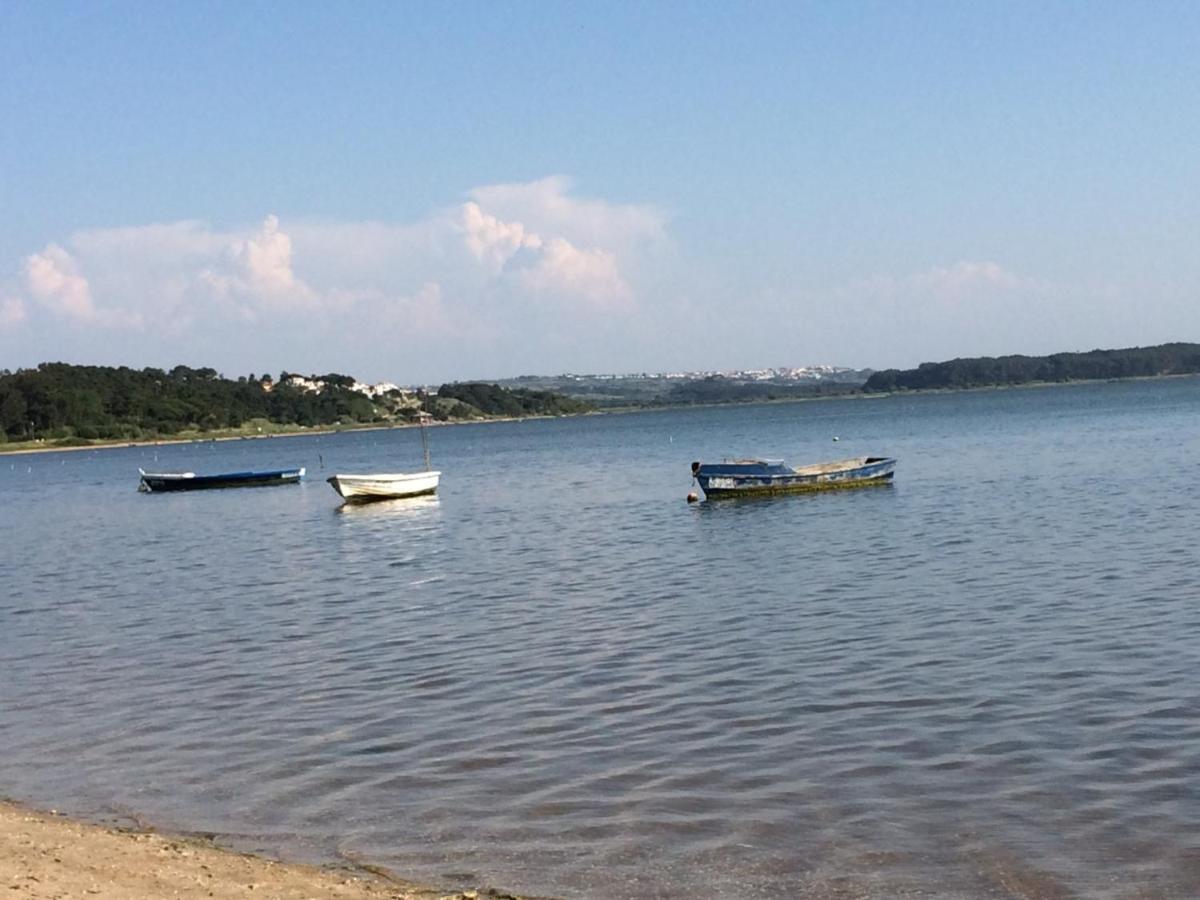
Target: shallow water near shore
(559, 678)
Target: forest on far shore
(988, 371)
(68, 404)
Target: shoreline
(218, 437)
(212, 438)
(221, 437)
(46, 854)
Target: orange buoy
(693, 497)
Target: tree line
(57, 401)
(62, 402)
(987, 371)
(719, 389)
(493, 400)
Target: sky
(420, 192)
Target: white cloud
(561, 269)
(398, 316)
(365, 255)
(266, 259)
(547, 207)
(151, 247)
(423, 312)
(492, 241)
(463, 275)
(54, 280)
(551, 267)
(575, 259)
(12, 312)
(256, 273)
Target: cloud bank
(507, 262)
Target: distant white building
(304, 384)
(375, 390)
(315, 385)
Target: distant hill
(987, 371)
(476, 398)
(69, 404)
(678, 389)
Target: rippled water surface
(559, 678)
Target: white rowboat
(389, 485)
(362, 488)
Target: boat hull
(159, 482)
(366, 488)
(761, 478)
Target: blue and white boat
(190, 481)
(764, 477)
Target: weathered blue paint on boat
(190, 481)
(757, 477)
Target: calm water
(560, 678)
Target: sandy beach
(46, 856)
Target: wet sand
(45, 856)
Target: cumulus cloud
(492, 241)
(561, 269)
(56, 283)
(551, 267)
(509, 263)
(257, 272)
(54, 280)
(548, 207)
(266, 259)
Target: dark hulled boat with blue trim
(765, 477)
(155, 482)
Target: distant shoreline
(222, 437)
(210, 438)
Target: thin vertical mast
(425, 441)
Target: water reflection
(402, 508)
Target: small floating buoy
(836, 438)
(692, 497)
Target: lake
(558, 677)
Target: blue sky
(425, 192)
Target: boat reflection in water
(411, 508)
